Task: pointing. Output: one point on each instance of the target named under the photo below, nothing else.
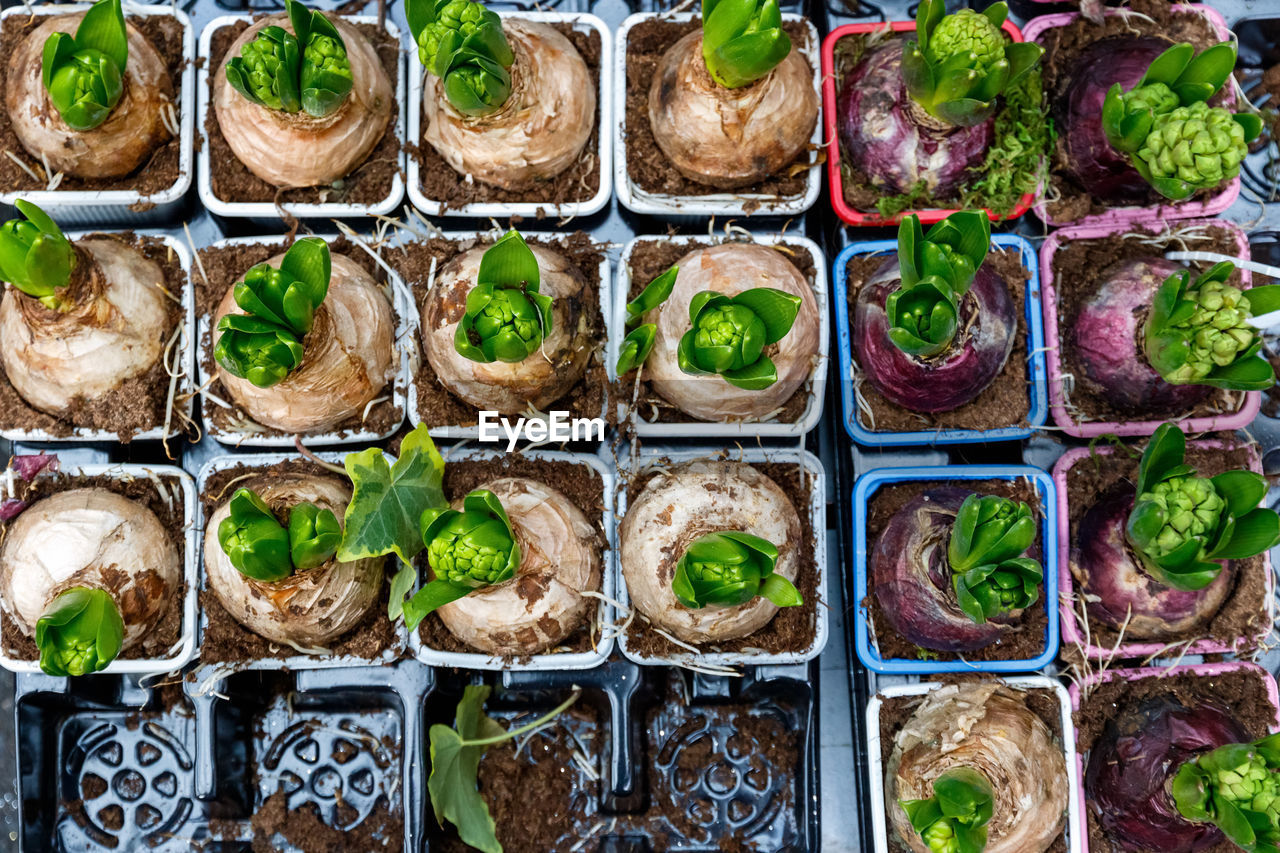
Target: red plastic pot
(843, 210)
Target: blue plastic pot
(1038, 387)
(872, 481)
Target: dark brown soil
(792, 629)
(579, 183)
(580, 483)
(1004, 403)
(1080, 267)
(1064, 44)
(142, 490)
(896, 711)
(1244, 693)
(227, 265)
(369, 184)
(226, 640)
(437, 405)
(158, 174)
(536, 796)
(651, 258)
(1243, 614)
(648, 167)
(135, 405)
(1023, 642)
(304, 829)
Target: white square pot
(413, 340)
(84, 207)
(186, 346)
(605, 614)
(209, 675)
(269, 211)
(724, 203)
(251, 439)
(879, 818)
(817, 382)
(185, 649)
(530, 210)
(817, 510)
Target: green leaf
(401, 583)
(781, 591)
(431, 597)
(1166, 450)
(755, 376)
(1168, 66)
(1250, 123)
(314, 535)
(58, 49)
(509, 262)
(255, 542)
(102, 29)
(657, 292)
(996, 13)
(1263, 299)
(388, 500)
(1243, 374)
(777, 309)
(1022, 56)
(636, 347)
(1145, 522)
(1209, 70)
(80, 632)
(1255, 532)
(918, 76)
(1242, 490)
(308, 262)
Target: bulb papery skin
(294, 149)
(1113, 581)
(560, 558)
(1106, 336)
(510, 388)
(732, 268)
(895, 144)
(730, 138)
(683, 503)
(988, 728)
(348, 357)
(89, 538)
(1104, 172)
(912, 578)
(311, 607)
(131, 133)
(541, 129)
(116, 329)
(977, 355)
(1129, 767)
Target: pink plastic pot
(843, 210)
(1049, 295)
(1191, 209)
(1205, 670)
(1070, 628)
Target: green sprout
(455, 761)
(265, 344)
(955, 818)
(84, 73)
(305, 70)
(506, 317)
(466, 550)
(1175, 140)
(728, 335)
(742, 40)
(958, 64)
(462, 43)
(1183, 526)
(638, 343)
(990, 575)
(1235, 788)
(262, 548)
(730, 568)
(35, 257)
(937, 270)
(1198, 333)
(80, 632)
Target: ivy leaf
(388, 500)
